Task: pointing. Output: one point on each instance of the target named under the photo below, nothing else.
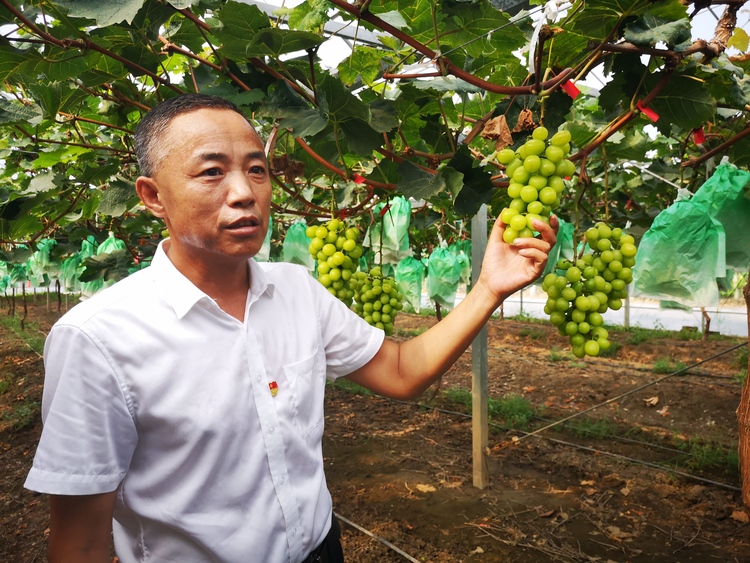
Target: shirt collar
(181, 294)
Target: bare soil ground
(650, 477)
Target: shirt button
(282, 480)
(271, 429)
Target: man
(158, 403)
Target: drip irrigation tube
(374, 536)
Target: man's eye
(212, 172)
(257, 170)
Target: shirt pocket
(307, 383)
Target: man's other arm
(81, 528)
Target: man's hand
(507, 268)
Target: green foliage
(80, 74)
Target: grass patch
(532, 333)
(638, 335)
(713, 456)
(666, 365)
(410, 332)
(23, 415)
(31, 334)
(557, 355)
(585, 427)
(741, 361)
(527, 318)
(610, 352)
(514, 410)
(344, 384)
(510, 411)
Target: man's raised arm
(404, 371)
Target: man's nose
(241, 190)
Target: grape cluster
(536, 171)
(377, 299)
(579, 292)
(336, 248)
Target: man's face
(213, 187)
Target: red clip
(358, 179)
(386, 209)
(274, 387)
(699, 136)
(648, 112)
(570, 89)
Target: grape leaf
(649, 30)
(420, 184)
(740, 40)
(119, 196)
(476, 188)
(105, 13)
(310, 15)
(364, 63)
(13, 112)
(684, 102)
(43, 183)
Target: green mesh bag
(681, 256)
(563, 248)
(389, 234)
(726, 199)
(294, 249)
(443, 275)
(464, 261)
(410, 277)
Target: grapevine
(377, 299)
(536, 171)
(336, 248)
(579, 292)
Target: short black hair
(156, 121)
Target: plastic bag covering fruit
(727, 199)
(681, 256)
(264, 254)
(410, 277)
(443, 275)
(389, 234)
(295, 246)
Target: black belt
(329, 546)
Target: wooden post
(743, 419)
(479, 389)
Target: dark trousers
(329, 551)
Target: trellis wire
(632, 391)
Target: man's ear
(148, 191)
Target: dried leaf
(477, 551)
(497, 130)
(528, 389)
(651, 401)
(426, 488)
(525, 121)
(664, 411)
(625, 491)
(584, 483)
(740, 515)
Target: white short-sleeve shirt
(152, 390)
